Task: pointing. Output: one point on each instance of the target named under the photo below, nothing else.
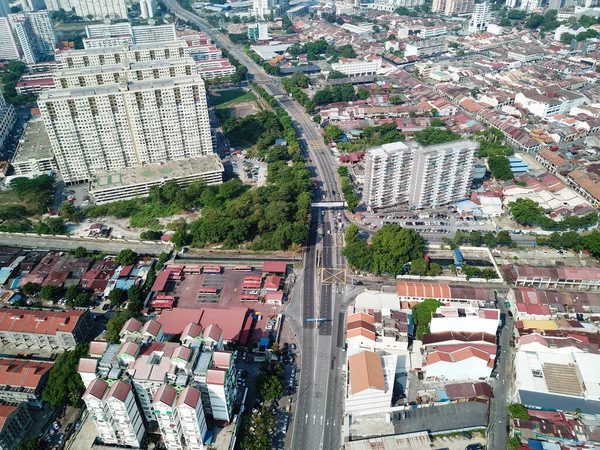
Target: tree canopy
(431, 136)
(529, 213)
(421, 313)
(500, 167)
(64, 383)
(35, 192)
(392, 247)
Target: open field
(233, 103)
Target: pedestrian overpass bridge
(328, 205)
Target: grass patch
(9, 197)
(224, 99)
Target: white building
(358, 67)
(419, 47)
(114, 127)
(191, 418)
(115, 413)
(148, 8)
(146, 34)
(262, 8)
(453, 7)
(164, 408)
(98, 9)
(258, 31)
(35, 33)
(4, 8)
(118, 55)
(425, 177)
(111, 41)
(466, 363)
(481, 17)
(105, 30)
(542, 105)
(7, 119)
(125, 72)
(221, 385)
(558, 381)
(530, 5)
(8, 46)
(465, 318)
(370, 382)
(573, 29)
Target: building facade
(114, 127)
(7, 118)
(14, 425)
(357, 67)
(115, 413)
(481, 18)
(35, 33)
(61, 331)
(98, 9)
(8, 46)
(453, 7)
(148, 8)
(22, 380)
(423, 177)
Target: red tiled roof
(5, 412)
(230, 320)
(119, 390)
(97, 388)
(215, 376)
(87, 365)
(18, 373)
(274, 267)
(56, 278)
(98, 347)
(189, 396)
(166, 394)
(272, 282)
(39, 322)
(222, 359)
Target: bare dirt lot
(243, 109)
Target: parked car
(467, 435)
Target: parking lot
(440, 223)
(250, 170)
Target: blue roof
(4, 274)
(534, 444)
(280, 141)
(124, 284)
(517, 160)
(442, 395)
(15, 283)
(264, 342)
(14, 298)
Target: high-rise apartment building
(117, 73)
(104, 56)
(148, 8)
(422, 177)
(115, 413)
(35, 33)
(15, 422)
(114, 127)
(481, 17)
(8, 46)
(4, 8)
(98, 9)
(453, 7)
(180, 418)
(147, 34)
(105, 35)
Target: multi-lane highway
(318, 416)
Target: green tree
(505, 22)
(135, 299)
(342, 171)
(115, 325)
(80, 252)
(51, 293)
(82, 300)
(29, 444)
(351, 234)
(434, 270)
(504, 239)
(269, 387)
(363, 94)
(335, 74)
(30, 289)
(500, 167)
(422, 315)
(525, 211)
(126, 257)
(418, 267)
(116, 296)
(333, 132)
(64, 383)
(72, 292)
(518, 411)
(566, 38)
(317, 119)
(514, 443)
(431, 136)
(488, 273)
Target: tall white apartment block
(110, 41)
(105, 30)
(442, 174)
(113, 74)
(4, 8)
(358, 67)
(453, 7)
(180, 417)
(146, 34)
(98, 9)
(35, 34)
(8, 46)
(115, 413)
(262, 8)
(148, 8)
(511, 3)
(121, 55)
(530, 5)
(192, 420)
(481, 18)
(423, 177)
(221, 385)
(114, 127)
(7, 119)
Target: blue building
(517, 165)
